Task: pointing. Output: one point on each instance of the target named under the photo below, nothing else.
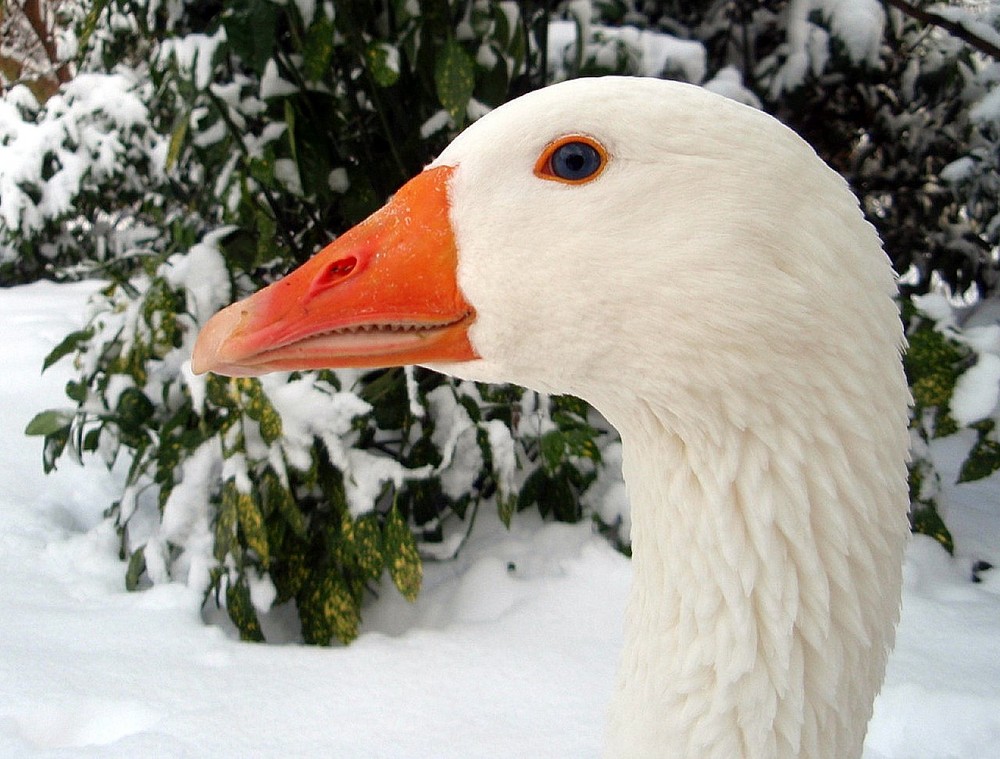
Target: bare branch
(952, 27)
(32, 10)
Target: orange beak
(385, 293)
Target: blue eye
(575, 161)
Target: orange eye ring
(587, 160)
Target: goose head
(690, 267)
(602, 237)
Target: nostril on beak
(333, 273)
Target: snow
(977, 390)
(958, 169)
(271, 83)
(194, 53)
(307, 9)
(988, 108)
(729, 83)
(434, 124)
(338, 180)
(655, 53)
(858, 24)
(286, 171)
(510, 650)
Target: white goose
(690, 267)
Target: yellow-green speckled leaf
(218, 390)
(927, 521)
(225, 523)
(252, 523)
(328, 609)
(364, 535)
(290, 576)
(931, 363)
(454, 79)
(277, 496)
(242, 613)
(259, 408)
(405, 566)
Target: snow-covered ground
(509, 652)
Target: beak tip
(210, 347)
(199, 365)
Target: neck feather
(766, 578)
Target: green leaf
(252, 524)
(76, 391)
(259, 409)
(328, 609)
(454, 79)
(982, 461)
(251, 28)
(502, 31)
(562, 499)
(218, 391)
(580, 442)
(927, 521)
(136, 566)
(570, 404)
(532, 490)
(364, 538)
(405, 566)
(49, 422)
(506, 506)
(317, 48)
(92, 439)
(931, 362)
(471, 407)
(290, 131)
(277, 496)
(55, 444)
(133, 409)
(177, 137)
(225, 522)
(383, 62)
(291, 573)
(90, 23)
(242, 612)
(553, 448)
(68, 344)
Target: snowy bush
(57, 157)
(196, 157)
(281, 126)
